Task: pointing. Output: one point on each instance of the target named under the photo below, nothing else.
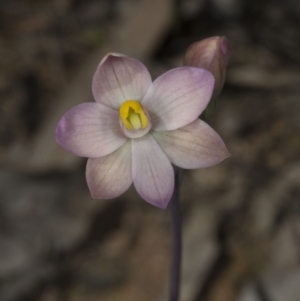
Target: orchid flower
(137, 129)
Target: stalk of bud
(213, 55)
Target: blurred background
(241, 218)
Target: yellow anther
(133, 115)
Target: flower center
(133, 115)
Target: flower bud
(211, 54)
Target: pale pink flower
(137, 129)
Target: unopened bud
(211, 54)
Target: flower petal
(196, 145)
(178, 97)
(90, 130)
(119, 78)
(110, 176)
(152, 172)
